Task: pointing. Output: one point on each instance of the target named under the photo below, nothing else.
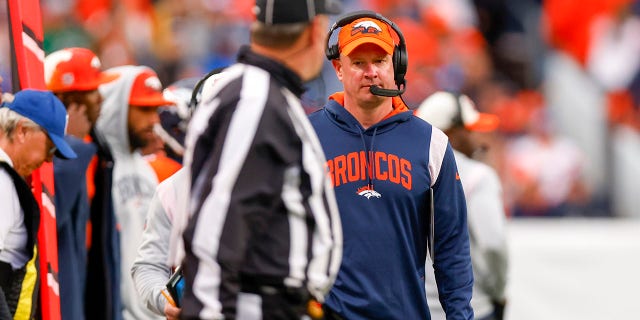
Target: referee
(264, 235)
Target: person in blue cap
(32, 129)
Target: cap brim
(63, 151)
(91, 85)
(151, 101)
(486, 122)
(106, 77)
(348, 48)
(102, 79)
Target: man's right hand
(172, 313)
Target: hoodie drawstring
(369, 165)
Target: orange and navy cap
(365, 30)
(74, 69)
(147, 91)
(443, 111)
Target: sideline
(573, 268)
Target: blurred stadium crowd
(562, 75)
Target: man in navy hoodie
(384, 164)
(73, 75)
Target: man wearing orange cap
(129, 114)
(457, 116)
(396, 183)
(74, 74)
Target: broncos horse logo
(366, 27)
(368, 192)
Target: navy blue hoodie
(72, 215)
(381, 177)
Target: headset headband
(350, 17)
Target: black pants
(269, 303)
(330, 314)
(10, 287)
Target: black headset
(400, 58)
(197, 89)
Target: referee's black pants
(270, 303)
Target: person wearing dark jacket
(74, 74)
(103, 258)
(265, 235)
(32, 129)
(385, 164)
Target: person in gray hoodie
(458, 117)
(128, 116)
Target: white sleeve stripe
(200, 119)
(298, 233)
(327, 238)
(437, 149)
(238, 140)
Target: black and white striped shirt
(263, 211)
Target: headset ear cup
(332, 52)
(399, 64)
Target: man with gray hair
(32, 129)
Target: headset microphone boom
(376, 90)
